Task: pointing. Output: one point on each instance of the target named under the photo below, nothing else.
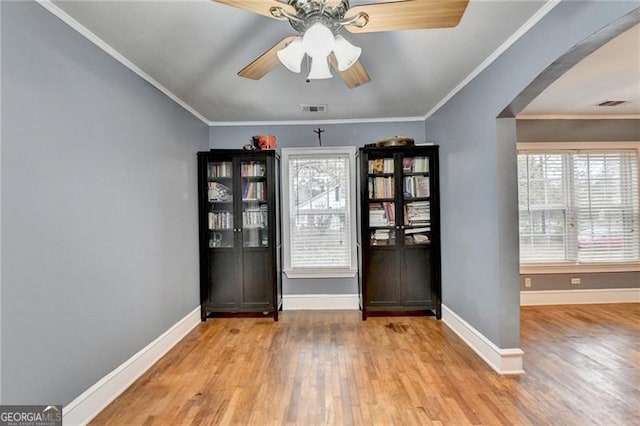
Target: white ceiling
(610, 73)
(195, 48)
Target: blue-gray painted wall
(99, 210)
(478, 169)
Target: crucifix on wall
(319, 132)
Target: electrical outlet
(575, 281)
(527, 282)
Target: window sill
(574, 269)
(321, 273)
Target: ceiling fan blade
(261, 7)
(354, 76)
(409, 15)
(265, 62)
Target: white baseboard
(299, 302)
(579, 296)
(503, 361)
(88, 405)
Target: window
(319, 212)
(578, 207)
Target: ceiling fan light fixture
(292, 55)
(346, 53)
(319, 69)
(318, 40)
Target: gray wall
(299, 136)
(579, 131)
(99, 217)
(479, 222)
(588, 281)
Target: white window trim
(561, 268)
(352, 271)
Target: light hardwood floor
(582, 366)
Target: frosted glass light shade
(318, 40)
(319, 69)
(292, 55)
(346, 53)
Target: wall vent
(610, 103)
(313, 108)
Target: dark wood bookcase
(399, 231)
(240, 245)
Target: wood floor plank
(582, 367)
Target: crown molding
(548, 7)
(312, 122)
(67, 19)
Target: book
(218, 192)
(253, 168)
(416, 186)
(377, 215)
(215, 170)
(417, 212)
(380, 187)
(254, 191)
(220, 220)
(381, 165)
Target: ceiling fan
(319, 22)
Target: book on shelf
(253, 169)
(218, 192)
(254, 191)
(415, 164)
(417, 230)
(416, 186)
(380, 187)
(382, 214)
(382, 237)
(220, 220)
(381, 234)
(255, 218)
(215, 170)
(381, 165)
(417, 212)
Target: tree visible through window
(319, 206)
(578, 207)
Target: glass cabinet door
(220, 201)
(381, 202)
(255, 213)
(416, 200)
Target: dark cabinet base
(399, 312)
(206, 313)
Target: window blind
(544, 207)
(319, 211)
(606, 206)
(579, 207)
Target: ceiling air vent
(314, 108)
(610, 103)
